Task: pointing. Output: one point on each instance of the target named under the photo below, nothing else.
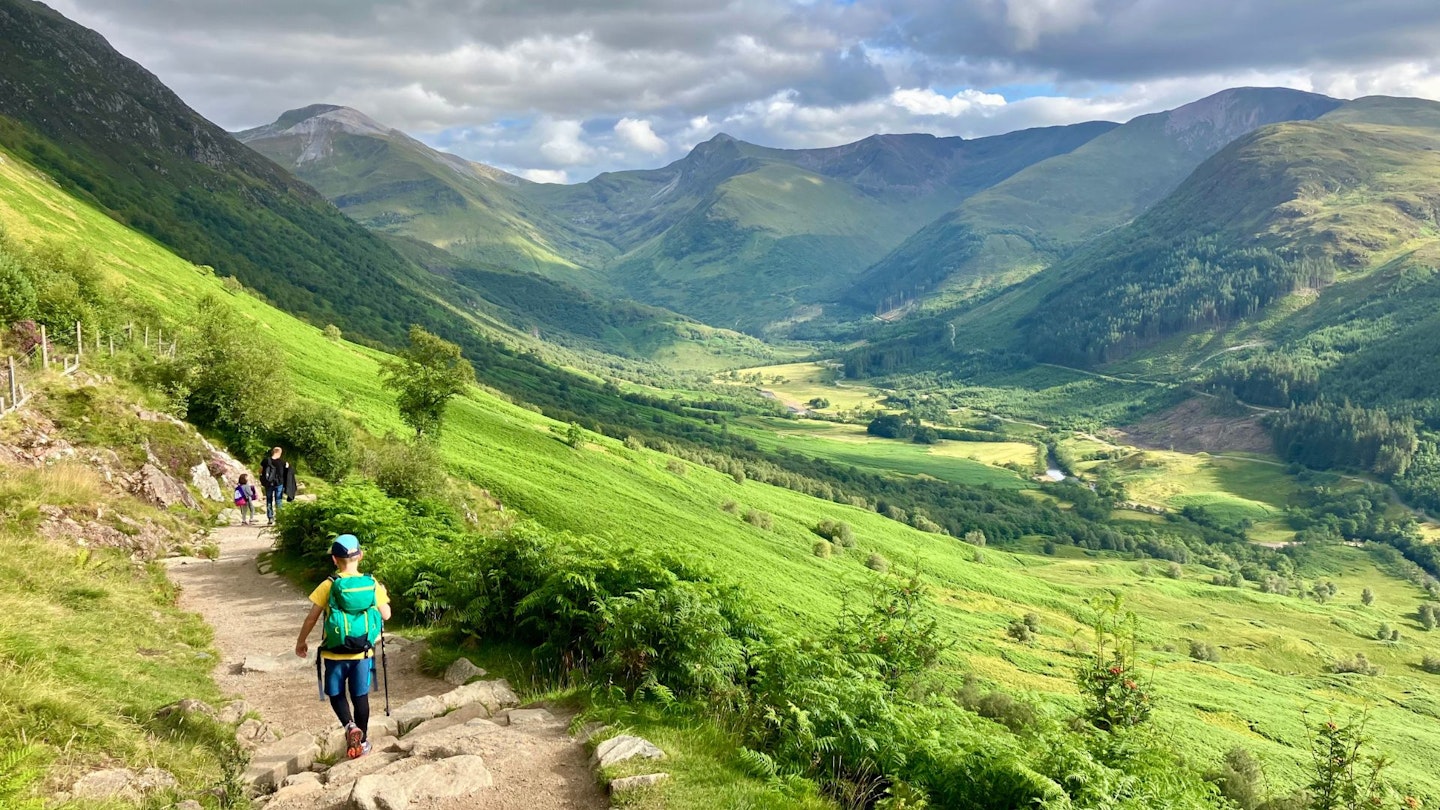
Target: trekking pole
(319, 679)
(385, 671)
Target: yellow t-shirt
(321, 596)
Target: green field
(976, 463)
(798, 383)
(1275, 649)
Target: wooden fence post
(14, 390)
(147, 335)
(79, 341)
(44, 348)
(112, 345)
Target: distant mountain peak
(317, 122)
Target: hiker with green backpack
(354, 607)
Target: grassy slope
(1275, 647)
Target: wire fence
(65, 356)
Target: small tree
(1343, 779)
(1110, 680)
(1367, 597)
(332, 333)
(424, 377)
(575, 435)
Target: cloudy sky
(560, 90)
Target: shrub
(1020, 631)
(322, 436)
(837, 532)
(667, 640)
(822, 549)
(877, 562)
(1240, 779)
(925, 524)
(676, 467)
(1367, 597)
(1174, 571)
(1276, 585)
(332, 333)
(1202, 651)
(1032, 621)
(1359, 665)
(1324, 591)
(730, 506)
(1007, 711)
(1384, 632)
(1049, 548)
(760, 520)
(634, 443)
(975, 537)
(1430, 664)
(575, 436)
(409, 470)
(1429, 616)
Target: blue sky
(560, 90)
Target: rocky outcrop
(159, 488)
(205, 483)
(123, 784)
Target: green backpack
(352, 622)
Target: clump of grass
(822, 549)
(1203, 651)
(877, 562)
(759, 519)
(1359, 665)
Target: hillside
(660, 504)
(393, 184)
(734, 234)
(1023, 224)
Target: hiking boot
(355, 745)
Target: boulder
(494, 695)
(632, 783)
(156, 486)
(252, 734)
(349, 770)
(205, 482)
(187, 707)
(530, 717)
(302, 778)
(449, 778)
(458, 717)
(453, 742)
(624, 747)
(113, 783)
(270, 764)
(332, 743)
(418, 711)
(233, 712)
(462, 672)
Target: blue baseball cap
(346, 545)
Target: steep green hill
(1027, 222)
(391, 183)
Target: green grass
(1276, 648)
(976, 463)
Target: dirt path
(257, 616)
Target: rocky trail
(445, 747)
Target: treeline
(1323, 435)
(1150, 288)
(1273, 379)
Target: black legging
(362, 712)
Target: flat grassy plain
(798, 383)
(1276, 650)
(976, 463)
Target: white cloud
(545, 175)
(640, 135)
(562, 142)
(924, 101)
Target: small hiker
(355, 608)
(277, 478)
(245, 500)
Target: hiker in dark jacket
(277, 478)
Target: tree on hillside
(424, 377)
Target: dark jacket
(272, 472)
(290, 484)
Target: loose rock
(495, 695)
(271, 764)
(186, 707)
(619, 749)
(631, 783)
(462, 672)
(418, 711)
(530, 717)
(460, 716)
(234, 712)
